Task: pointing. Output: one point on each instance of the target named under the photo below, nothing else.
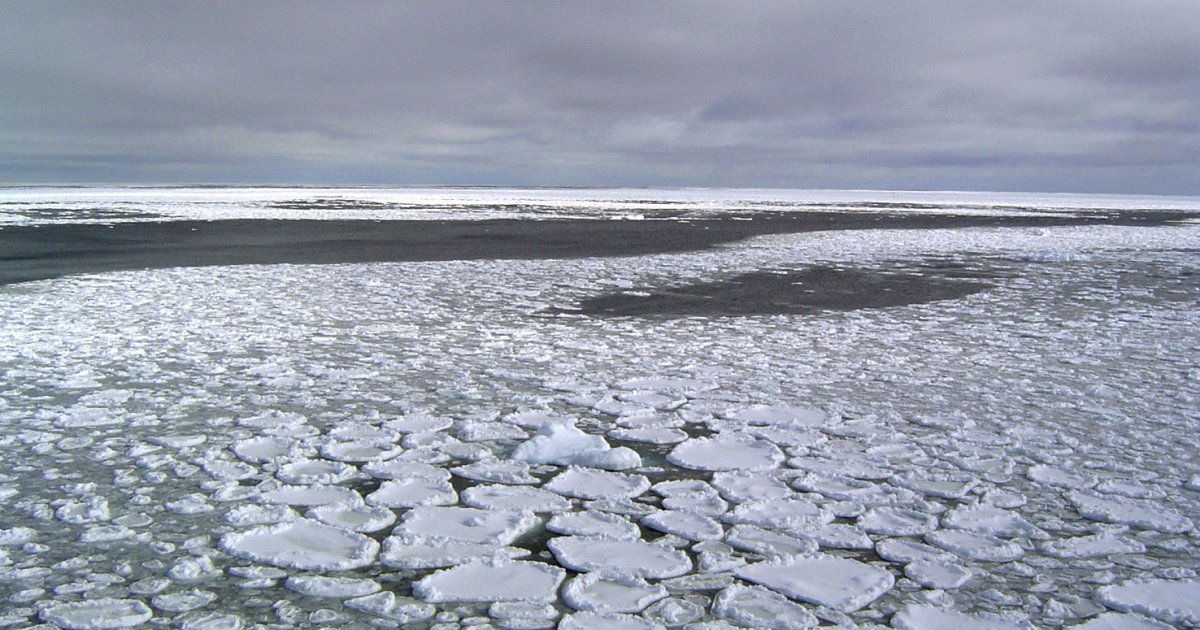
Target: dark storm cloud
(1092, 96)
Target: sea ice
(732, 452)
(386, 604)
(757, 607)
(986, 519)
(619, 557)
(937, 574)
(1132, 512)
(314, 471)
(302, 544)
(588, 620)
(621, 594)
(360, 451)
(594, 524)
(399, 469)
(97, 614)
(780, 514)
(264, 449)
(1173, 601)
(358, 518)
(744, 486)
(407, 493)
(419, 424)
(781, 415)
(1061, 477)
(308, 496)
(496, 581)
(768, 543)
(941, 485)
(1093, 546)
(838, 583)
(502, 497)
(982, 547)
(323, 586)
(407, 551)
(563, 444)
(1122, 621)
(586, 483)
(471, 525)
(505, 471)
(894, 521)
(925, 617)
(685, 524)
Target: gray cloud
(1088, 96)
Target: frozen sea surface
(333, 445)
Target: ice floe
(496, 581)
(734, 452)
(619, 557)
(825, 580)
(584, 483)
(563, 444)
(1171, 601)
(97, 614)
(302, 544)
(619, 594)
(1133, 512)
(925, 617)
(757, 607)
(407, 493)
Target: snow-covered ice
(227, 446)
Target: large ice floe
(450, 444)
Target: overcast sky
(1089, 96)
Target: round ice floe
(407, 551)
(781, 415)
(309, 496)
(1175, 602)
(467, 524)
(975, 546)
(97, 614)
(619, 557)
(1132, 512)
(357, 518)
(838, 583)
(405, 493)
(505, 471)
(419, 424)
(768, 543)
(837, 536)
(386, 604)
(588, 620)
(498, 581)
(398, 469)
(587, 483)
(183, 601)
(260, 514)
(273, 420)
(841, 467)
(105, 533)
(894, 521)
(744, 486)
(360, 451)
(264, 449)
(840, 488)
(685, 524)
(501, 497)
(210, 621)
(985, 519)
(302, 544)
(649, 435)
(323, 586)
(1094, 546)
(780, 514)
(906, 551)
(356, 432)
(925, 617)
(594, 591)
(1130, 489)
(1061, 477)
(313, 471)
(562, 444)
(226, 470)
(594, 524)
(941, 485)
(757, 607)
(735, 452)
(937, 574)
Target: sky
(1093, 96)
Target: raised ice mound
(726, 452)
(824, 580)
(1132, 512)
(302, 544)
(619, 557)
(924, 617)
(497, 581)
(585, 483)
(96, 614)
(1175, 602)
(563, 444)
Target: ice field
(447, 444)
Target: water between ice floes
(332, 445)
